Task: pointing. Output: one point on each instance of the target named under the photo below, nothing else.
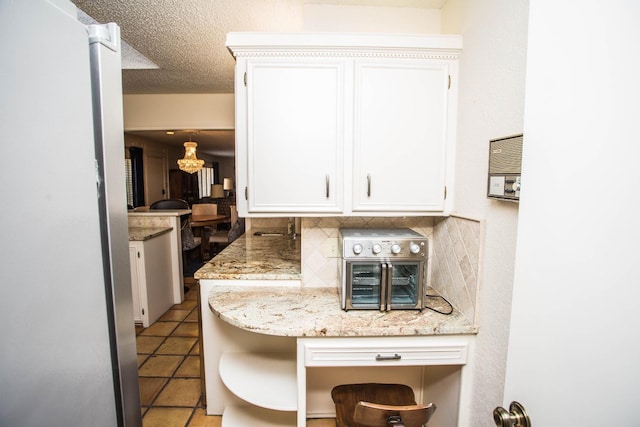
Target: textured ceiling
(186, 38)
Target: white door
(574, 350)
(155, 167)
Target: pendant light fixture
(190, 163)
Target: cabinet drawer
(377, 352)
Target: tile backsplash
(320, 251)
(454, 251)
(455, 265)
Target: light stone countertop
(255, 258)
(295, 311)
(140, 234)
(316, 312)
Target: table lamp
(216, 191)
(227, 186)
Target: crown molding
(344, 45)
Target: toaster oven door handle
(387, 286)
(383, 286)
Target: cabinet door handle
(368, 185)
(327, 184)
(382, 358)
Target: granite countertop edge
(141, 234)
(160, 212)
(255, 258)
(316, 312)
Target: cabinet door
(400, 135)
(295, 135)
(135, 287)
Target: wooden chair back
(378, 415)
(234, 214)
(170, 204)
(198, 209)
(346, 397)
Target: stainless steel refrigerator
(68, 350)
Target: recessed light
(170, 132)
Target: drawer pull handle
(382, 358)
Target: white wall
(370, 19)
(179, 111)
(491, 105)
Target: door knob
(515, 417)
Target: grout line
(193, 413)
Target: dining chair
(169, 204)
(378, 415)
(205, 233)
(224, 237)
(383, 405)
(204, 209)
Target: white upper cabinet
(295, 135)
(354, 125)
(399, 145)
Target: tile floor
(169, 369)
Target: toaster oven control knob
(414, 248)
(376, 249)
(357, 249)
(395, 248)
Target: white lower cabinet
(267, 382)
(134, 249)
(434, 366)
(270, 377)
(260, 380)
(274, 386)
(253, 416)
(151, 278)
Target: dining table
(200, 221)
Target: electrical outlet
(331, 247)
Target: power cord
(436, 310)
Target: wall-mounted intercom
(505, 164)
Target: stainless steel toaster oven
(382, 269)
